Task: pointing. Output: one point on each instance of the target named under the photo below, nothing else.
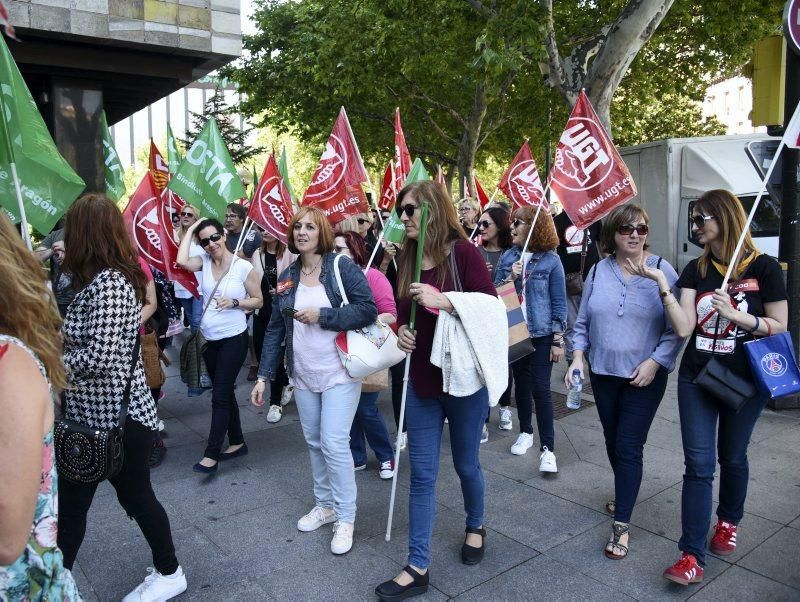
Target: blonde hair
(726, 208)
(27, 308)
(181, 231)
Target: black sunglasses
(187, 214)
(216, 237)
(699, 221)
(484, 224)
(361, 221)
(517, 223)
(627, 230)
(407, 209)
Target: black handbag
(91, 455)
(718, 380)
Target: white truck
(670, 174)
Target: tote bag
(774, 364)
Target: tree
(235, 138)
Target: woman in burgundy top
(427, 405)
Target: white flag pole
(400, 423)
(23, 218)
(246, 228)
(491, 200)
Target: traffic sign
(791, 24)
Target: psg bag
(774, 365)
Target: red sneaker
(724, 540)
(685, 571)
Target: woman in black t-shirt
(754, 305)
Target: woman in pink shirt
(368, 420)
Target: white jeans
(326, 419)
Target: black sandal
(619, 529)
(391, 590)
(471, 555)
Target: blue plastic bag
(774, 365)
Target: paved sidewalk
(236, 538)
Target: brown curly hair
(27, 309)
(545, 237)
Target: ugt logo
(330, 171)
(774, 364)
(526, 182)
(581, 161)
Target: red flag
(336, 185)
(521, 182)
(6, 22)
(388, 192)
(476, 192)
(402, 158)
(589, 177)
(271, 207)
(171, 202)
(158, 167)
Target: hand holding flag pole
(423, 223)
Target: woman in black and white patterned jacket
(100, 331)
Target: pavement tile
(84, 585)
(665, 434)
(588, 443)
(777, 558)
(639, 574)
(200, 423)
(771, 424)
(177, 433)
(741, 584)
(542, 578)
(584, 483)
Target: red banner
(402, 158)
(521, 182)
(158, 167)
(172, 203)
(336, 185)
(387, 198)
(271, 207)
(476, 191)
(589, 177)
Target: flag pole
(245, 233)
(533, 223)
(491, 200)
(423, 220)
(23, 218)
(750, 216)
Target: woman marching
(539, 278)
(449, 263)
(719, 322)
(307, 311)
(230, 288)
(628, 373)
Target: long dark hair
(95, 238)
(500, 217)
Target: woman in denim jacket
(307, 311)
(544, 305)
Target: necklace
(312, 270)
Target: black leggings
(135, 495)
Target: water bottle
(574, 394)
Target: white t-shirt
(195, 250)
(317, 366)
(223, 323)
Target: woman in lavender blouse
(623, 328)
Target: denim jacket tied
(545, 290)
(359, 313)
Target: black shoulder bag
(574, 280)
(90, 455)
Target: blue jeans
(626, 413)
(326, 418)
(425, 422)
(701, 413)
(369, 422)
(539, 369)
(192, 309)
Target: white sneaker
(523, 444)
(387, 469)
(157, 587)
(342, 537)
(205, 381)
(505, 419)
(484, 434)
(403, 441)
(161, 426)
(286, 397)
(275, 414)
(547, 461)
(316, 518)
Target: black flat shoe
(205, 469)
(391, 590)
(471, 555)
(242, 451)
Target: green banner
(417, 173)
(115, 175)
(283, 167)
(48, 185)
(206, 178)
(394, 231)
(173, 154)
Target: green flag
(283, 167)
(393, 229)
(115, 175)
(48, 185)
(206, 178)
(173, 154)
(418, 172)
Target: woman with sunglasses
(719, 323)
(230, 288)
(628, 373)
(191, 306)
(538, 277)
(427, 405)
(308, 313)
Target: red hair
(356, 246)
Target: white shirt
(181, 292)
(317, 366)
(223, 323)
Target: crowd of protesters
(577, 291)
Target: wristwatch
(558, 343)
(261, 379)
(236, 302)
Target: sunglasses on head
(216, 237)
(699, 221)
(407, 209)
(187, 214)
(484, 224)
(517, 223)
(627, 230)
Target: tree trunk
(468, 145)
